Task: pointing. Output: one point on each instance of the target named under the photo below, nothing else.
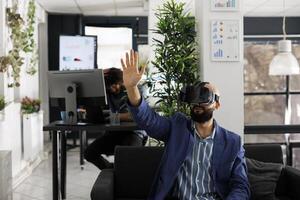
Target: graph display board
(225, 40)
(224, 5)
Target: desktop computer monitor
(77, 52)
(76, 87)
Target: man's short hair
(113, 76)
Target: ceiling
(140, 7)
(97, 7)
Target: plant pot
(32, 135)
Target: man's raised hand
(131, 73)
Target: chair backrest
(135, 169)
(264, 152)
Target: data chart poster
(225, 40)
(224, 5)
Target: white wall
(227, 76)
(43, 68)
(11, 128)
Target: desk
(59, 136)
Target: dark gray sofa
(135, 168)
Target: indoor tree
(176, 58)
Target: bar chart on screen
(224, 5)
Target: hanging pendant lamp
(284, 63)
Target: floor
(39, 185)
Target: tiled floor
(39, 185)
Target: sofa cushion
(263, 178)
(283, 198)
(281, 187)
(293, 182)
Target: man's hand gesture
(131, 73)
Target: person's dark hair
(113, 76)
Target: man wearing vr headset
(201, 159)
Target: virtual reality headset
(197, 94)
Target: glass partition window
(267, 98)
(113, 43)
(264, 109)
(295, 111)
(295, 83)
(258, 56)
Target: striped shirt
(194, 180)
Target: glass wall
(267, 98)
(113, 43)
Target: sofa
(287, 185)
(135, 167)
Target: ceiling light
(284, 63)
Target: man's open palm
(131, 73)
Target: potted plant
(143, 61)
(29, 106)
(176, 59)
(2, 106)
(32, 128)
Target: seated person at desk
(105, 144)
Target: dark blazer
(229, 170)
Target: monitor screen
(77, 52)
(70, 90)
(89, 83)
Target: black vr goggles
(197, 94)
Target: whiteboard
(77, 52)
(225, 37)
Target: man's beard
(203, 117)
(117, 92)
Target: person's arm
(155, 125)
(239, 183)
